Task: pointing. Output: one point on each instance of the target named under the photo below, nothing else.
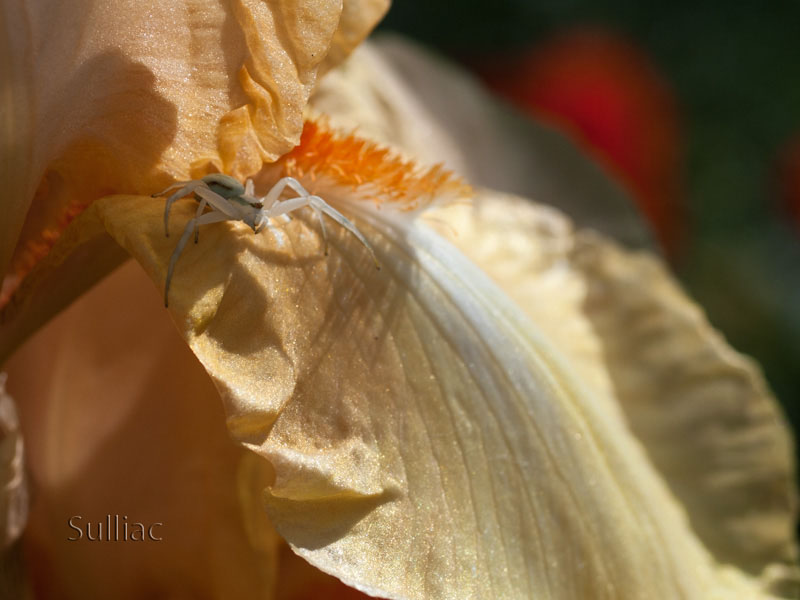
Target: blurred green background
(734, 72)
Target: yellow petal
(301, 581)
(687, 394)
(525, 249)
(427, 440)
(121, 420)
(357, 20)
(125, 96)
(703, 412)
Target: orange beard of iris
(352, 162)
(603, 90)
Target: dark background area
(734, 72)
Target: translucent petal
(703, 413)
(427, 440)
(623, 324)
(123, 426)
(104, 97)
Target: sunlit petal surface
(126, 96)
(618, 316)
(426, 438)
(417, 430)
(703, 412)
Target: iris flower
(508, 408)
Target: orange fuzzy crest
(350, 161)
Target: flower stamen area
(364, 166)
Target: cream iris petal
(703, 413)
(423, 437)
(427, 440)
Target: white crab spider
(229, 200)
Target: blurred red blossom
(789, 178)
(605, 92)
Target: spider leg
(249, 195)
(169, 188)
(186, 188)
(272, 196)
(200, 208)
(319, 205)
(286, 206)
(223, 205)
(271, 199)
(302, 192)
(318, 212)
(212, 217)
(296, 186)
(281, 210)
